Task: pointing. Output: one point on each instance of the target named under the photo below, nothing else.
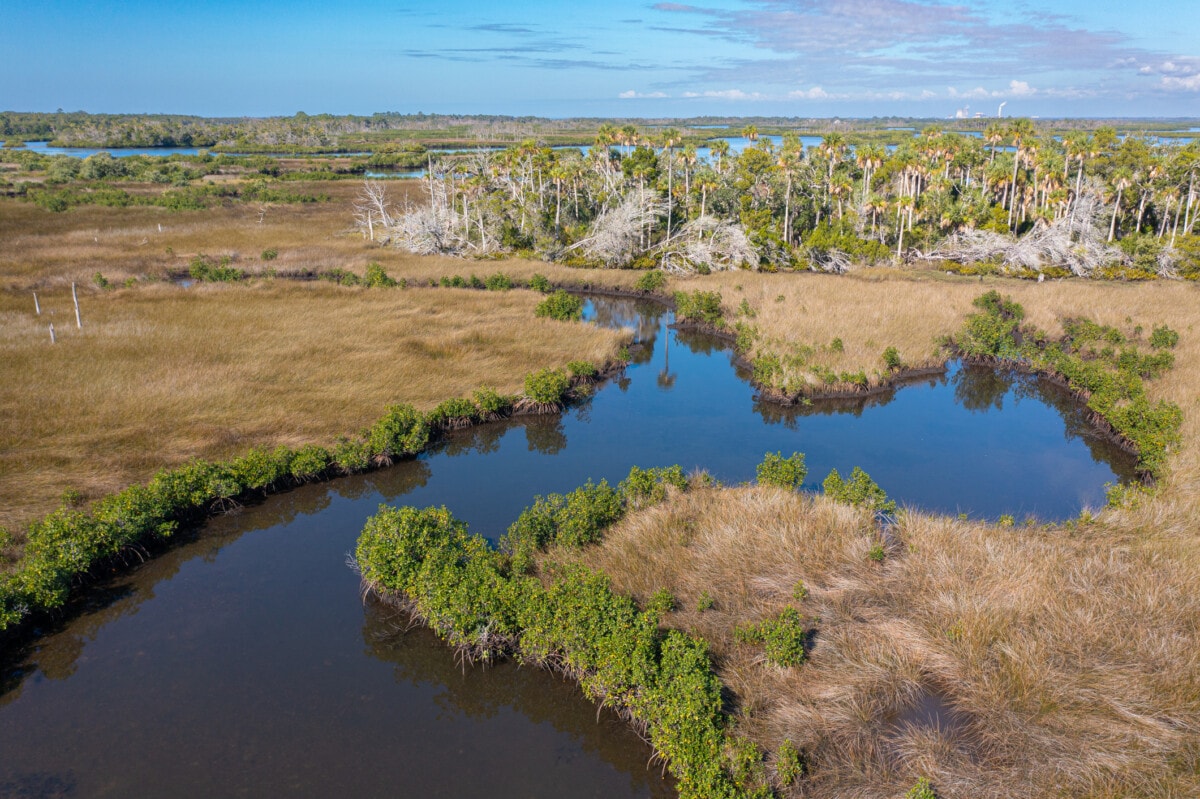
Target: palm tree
(719, 148)
(869, 158)
(670, 137)
(1020, 131)
(993, 134)
(1121, 180)
(750, 132)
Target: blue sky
(855, 58)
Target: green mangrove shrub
(776, 470)
(859, 490)
(547, 386)
(650, 281)
(540, 283)
(498, 282)
(699, 306)
(377, 277)
(782, 637)
(562, 306)
(1097, 361)
(453, 413)
(402, 430)
(203, 269)
(646, 487)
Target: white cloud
(727, 94)
(1019, 88)
(632, 95)
(1188, 84)
(815, 93)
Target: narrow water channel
(245, 662)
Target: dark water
(245, 661)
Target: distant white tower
(1000, 110)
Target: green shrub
(859, 490)
(261, 469)
(540, 283)
(100, 280)
(401, 431)
(352, 455)
(562, 306)
(377, 277)
(650, 281)
(1163, 338)
(309, 463)
(776, 470)
(343, 277)
(498, 282)
(789, 766)
(991, 332)
(922, 789)
(490, 402)
(836, 345)
(451, 412)
(547, 386)
(782, 636)
(269, 254)
(582, 369)
(570, 520)
(892, 359)
(203, 269)
(705, 602)
(645, 487)
(699, 306)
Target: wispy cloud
(632, 95)
(858, 47)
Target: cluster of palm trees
(642, 197)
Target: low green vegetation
(784, 472)
(699, 306)
(561, 305)
(858, 490)
(782, 637)
(1100, 362)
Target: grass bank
(159, 375)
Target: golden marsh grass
(161, 374)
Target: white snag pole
(74, 296)
(37, 306)
(52, 338)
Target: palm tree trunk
(1112, 228)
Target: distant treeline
(326, 133)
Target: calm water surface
(245, 661)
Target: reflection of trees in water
(666, 380)
(57, 646)
(983, 388)
(545, 434)
(482, 438)
(640, 316)
(773, 413)
(700, 343)
(980, 388)
(480, 692)
(394, 481)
